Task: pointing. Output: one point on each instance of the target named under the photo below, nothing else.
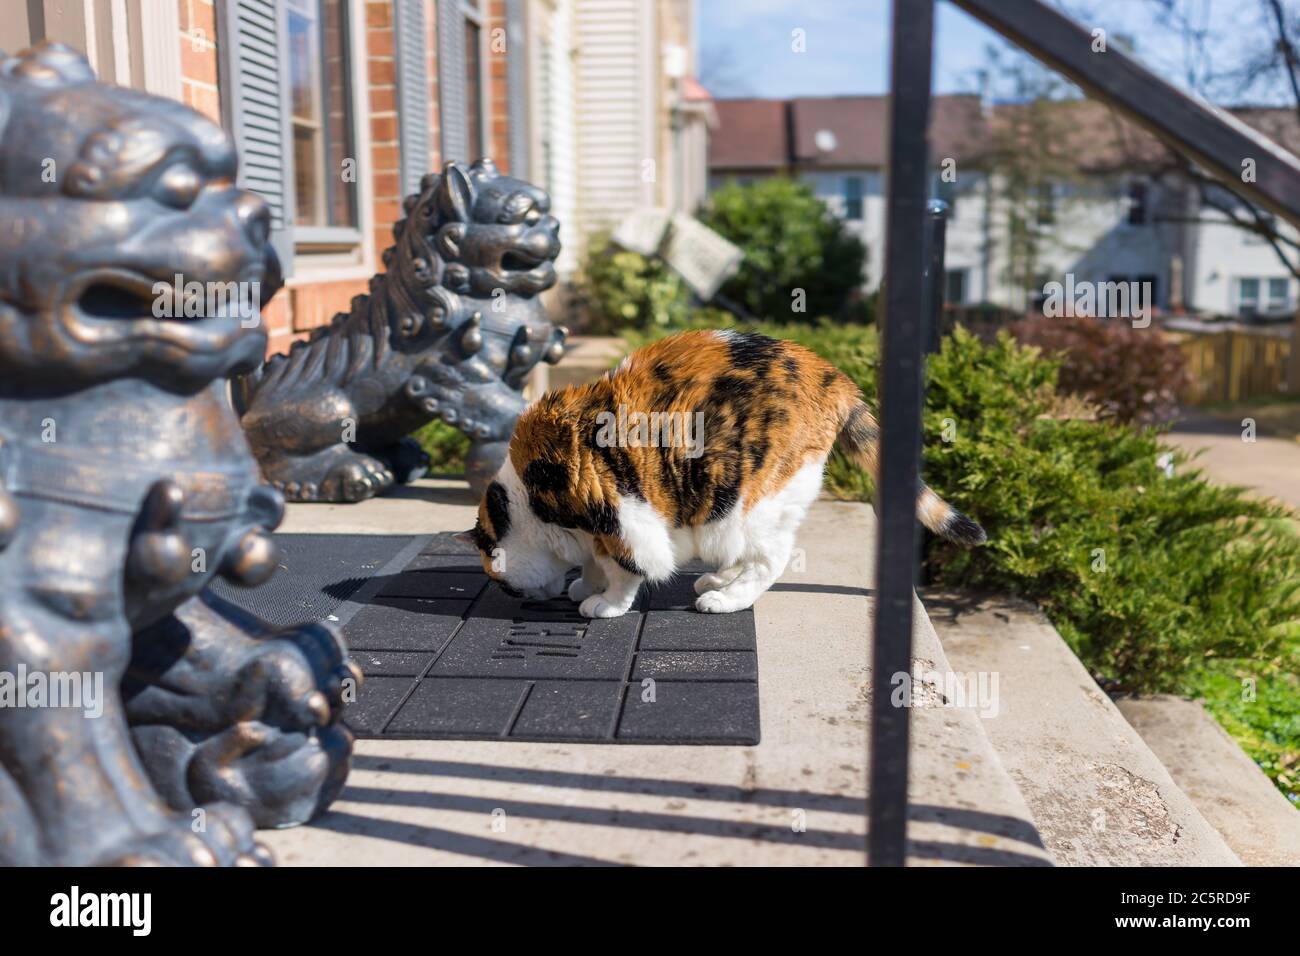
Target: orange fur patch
(756, 409)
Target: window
(853, 197)
(1247, 296)
(473, 90)
(1046, 204)
(1260, 296)
(321, 120)
(955, 286)
(1137, 204)
(1279, 295)
(462, 80)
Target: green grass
(1267, 727)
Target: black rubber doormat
(446, 656)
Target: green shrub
(1147, 576)
(791, 241)
(446, 447)
(1193, 572)
(1132, 375)
(625, 290)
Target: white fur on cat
(749, 548)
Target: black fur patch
(482, 540)
(749, 350)
(628, 565)
(602, 519)
(960, 529)
(859, 432)
(724, 499)
(731, 388)
(626, 480)
(546, 476)
(498, 509)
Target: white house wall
(1091, 239)
(1223, 254)
(614, 103)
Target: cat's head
(519, 552)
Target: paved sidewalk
(798, 798)
(1269, 466)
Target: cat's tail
(859, 438)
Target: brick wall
(499, 52)
(385, 152)
(199, 57)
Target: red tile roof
(751, 134)
(774, 134)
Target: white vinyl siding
(614, 109)
(553, 162)
(411, 41)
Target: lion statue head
(128, 195)
(477, 231)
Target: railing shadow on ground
(503, 850)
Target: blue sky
(745, 45)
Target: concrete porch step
(797, 798)
(1224, 783)
(1097, 793)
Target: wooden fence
(1233, 362)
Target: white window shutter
(412, 92)
(255, 100)
(517, 88)
(451, 82)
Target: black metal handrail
(1197, 130)
(900, 424)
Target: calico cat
(704, 444)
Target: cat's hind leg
(718, 579)
(769, 533)
(748, 586)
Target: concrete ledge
(1097, 793)
(798, 798)
(1260, 824)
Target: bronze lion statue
(142, 719)
(450, 330)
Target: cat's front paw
(719, 602)
(597, 606)
(580, 590)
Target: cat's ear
(465, 537)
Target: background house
(340, 106)
(1071, 189)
